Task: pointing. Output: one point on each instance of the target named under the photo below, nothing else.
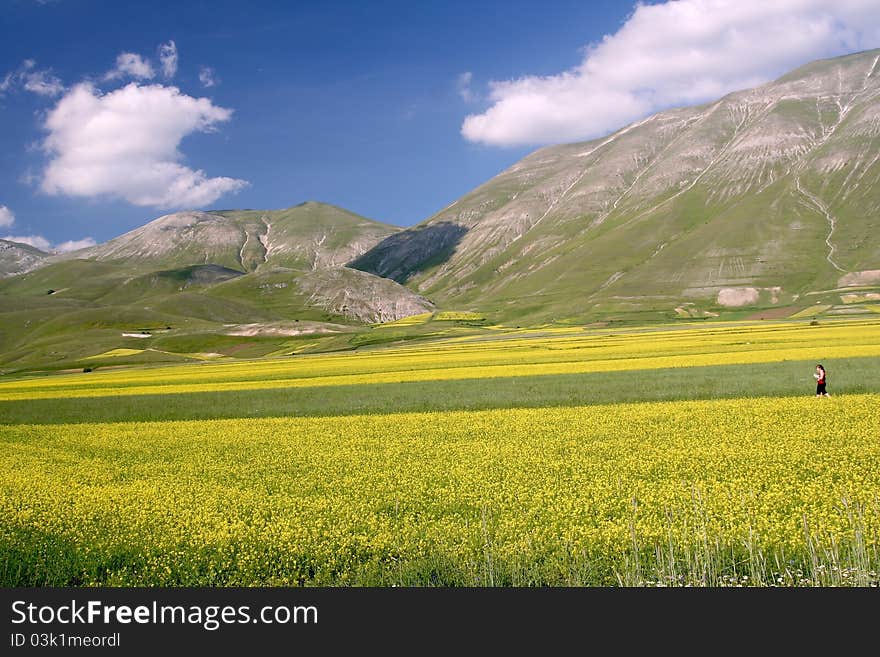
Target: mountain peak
(308, 236)
(184, 218)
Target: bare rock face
(17, 258)
(856, 278)
(777, 186)
(361, 296)
(182, 238)
(285, 328)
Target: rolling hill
(768, 197)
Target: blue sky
(350, 103)
(361, 104)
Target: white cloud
(28, 77)
(132, 65)
(125, 144)
(675, 53)
(7, 217)
(168, 59)
(43, 84)
(36, 241)
(74, 245)
(463, 87)
(207, 77)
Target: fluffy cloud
(7, 217)
(130, 64)
(674, 53)
(28, 77)
(125, 143)
(36, 241)
(207, 77)
(74, 245)
(168, 59)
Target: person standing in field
(821, 379)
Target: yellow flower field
(513, 356)
(596, 494)
(777, 490)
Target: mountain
(17, 258)
(284, 264)
(240, 283)
(308, 236)
(766, 197)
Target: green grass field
(688, 454)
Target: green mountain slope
(767, 197)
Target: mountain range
(764, 201)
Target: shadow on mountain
(198, 275)
(404, 254)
